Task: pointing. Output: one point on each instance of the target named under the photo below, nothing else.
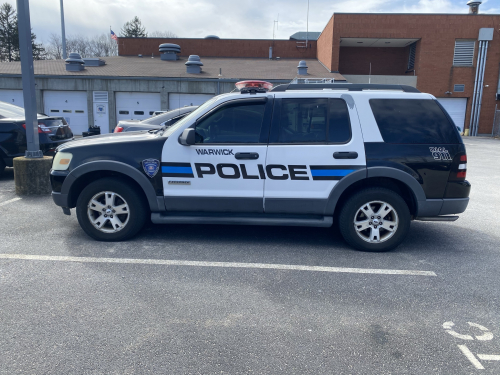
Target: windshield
(10, 111)
(199, 111)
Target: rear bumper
(437, 207)
(454, 206)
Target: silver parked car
(164, 119)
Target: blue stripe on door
(331, 172)
(177, 170)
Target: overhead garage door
(72, 105)
(12, 96)
(456, 108)
(181, 100)
(136, 105)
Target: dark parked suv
(52, 132)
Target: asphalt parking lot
(251, 300)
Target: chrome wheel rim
(376, 222)
(108, 212)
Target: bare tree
(163, 34)
(95, 46)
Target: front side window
(232, 123)
(314, 121)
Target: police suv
(373, 156)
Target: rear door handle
(246, 155)
(345, 155)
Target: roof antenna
(307, 24)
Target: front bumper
(57, 179)
(60, 199)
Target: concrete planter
(32, 175)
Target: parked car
(52, 132)
(164, 119)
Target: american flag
(113, 35)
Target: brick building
(437, 53)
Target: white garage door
(12, 96)
(456, 108)
(181, 100)
(72, 105)
(136, 105)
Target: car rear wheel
(375, 219)
(2, 167)
(109, 209)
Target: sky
(244, 19)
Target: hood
(107, 139)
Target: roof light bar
(254, 84)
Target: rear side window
(413, 121)
(314, 121)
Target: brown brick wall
(384, 61)
(325, 45)
(434, 55)
(248, 48)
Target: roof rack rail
(348, 86)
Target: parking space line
(9, 201)
(471, 357)
(165, 262)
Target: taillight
(118, 129)
(41, 129)
(459, 168)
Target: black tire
(2, 167)
(351, 210)
(136, 211)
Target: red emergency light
(255, 84)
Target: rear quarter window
(413, 121)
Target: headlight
(61, 161)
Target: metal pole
(481, 87)
(307, 24)
(28, 79)
(478, 87)
(63, 32)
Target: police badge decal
(151, 167)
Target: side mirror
(187, 137)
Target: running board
(437, 218)
(315, 221)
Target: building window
(459, 88)
(464, 53)
(139, 113)
(411, 57)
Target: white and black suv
(374, 156)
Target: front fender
(155, 202)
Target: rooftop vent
(74, 62)
(474, 6)
(302, 68)
(193, 65)
(212, 37)
(169, 51)
(94, 61)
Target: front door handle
(246, 155)
(345, 155)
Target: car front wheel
(375, 219)
(111, 210)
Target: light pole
(63, 32)
(28, 79)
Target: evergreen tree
(133, 29)
(9, 37)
